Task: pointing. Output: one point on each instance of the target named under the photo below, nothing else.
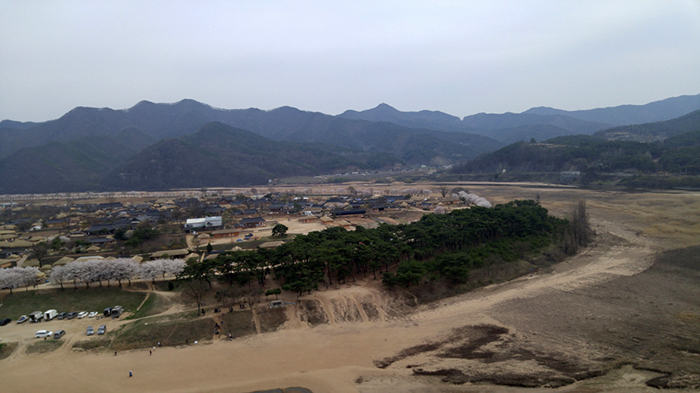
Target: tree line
(107, 270)
(438, 246)
(592, 155)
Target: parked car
(90, 331)
(62, 315)
(82, 314)
(92, 314)
(22, 319)
(43, 334)
(72, 315)
(5, 321)
(102, 329)
(59, 334)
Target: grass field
(44, 346)
(155, 304)
(93, 299)
(176, 329)
(238, 323)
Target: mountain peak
(384, 107)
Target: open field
(622, 312)
(81, 299)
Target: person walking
(150, 352)
(130, 374)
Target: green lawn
(154, 305)
(93, 299)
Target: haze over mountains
(190, 144)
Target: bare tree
(197, 290)
(579, 232)
(40, 250)
(443, 190)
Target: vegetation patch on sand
(44, 346)
(312, 312)
(93, 345)
(271, 318)
(93, 299)
(490, 344)
(6, 349)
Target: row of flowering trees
(108, 270)
(18, 277)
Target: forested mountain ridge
(590, 155)
(658, 131)
(187, 116)
(652, 112)
(286, 123)
(434, 120)
(46, 157)
(75, 165)
(539, 121)
(219, 155)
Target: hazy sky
(459, 57)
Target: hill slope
(161, 121)
(656, 111)
(589, 154)
(654, 131)
(219, 155)
(76, 165)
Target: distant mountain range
(657, 131)
(190, 144)
(538, 123)
(671, 146)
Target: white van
(50, 314)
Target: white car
(43, 334)
(82, 314)
(92, 314)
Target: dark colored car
(90, 331)
(102, 329)
(5, 321)
(59, 334)
(62, 315)
(71, 315)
